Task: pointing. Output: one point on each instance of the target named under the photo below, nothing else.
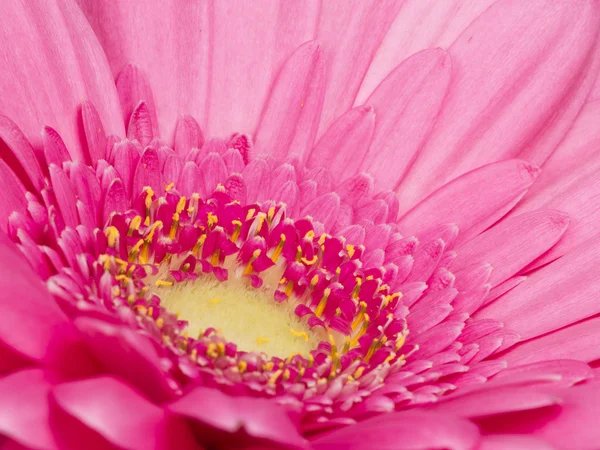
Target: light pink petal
(213, 172)
(29, 314)
(190, 180)
(116, 199)
(578, 200)
(133, 87)
(64, 65)
(24, 411)
(513, 243)
(289, 120)
(94, 133)
(350, 32)
(232, 70)
(188, 135)
(257, 176)
(570, 371)
(414, 430)
(501, 184)
(342, 148)
(513, 69)
(121, 415)
(406, 104)
(580, 341)
(140, 124)
(503, 288)
(125, 160)
(555, 296)
(18, 153)
(324, 209)
(513, 442)
(126, 353)
(495, 401)
(257, 419)
(407, 35)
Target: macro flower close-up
(299, 224)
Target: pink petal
(406, 103)
(116, 199)
(407, 35)
(64, 65)
(18, 154)
(259, 419)
(580, 341)
(140, 124)
(55, 150)
(513, 243)
(65, 197)
(414, 430)
(343, 146)
(495, 401)
(24, 412)
(350, 33)
(121, 415)
(147, 172)
(126, 353)
(94, 133)
(13, 195)
(133, 87)
(553, 297)
(29, 314)
(513, 442)
(513, 69)
(504, 183)
(188, 135)
(290, 117)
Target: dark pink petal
(55, 150)
(350, 33)
(24, 411)
(343, 146)
(515, 69)
(29, 314)
(64, 65)
(13, 195)
(414, 430)
(504, 183)
(406, 104)
(555, 296)
(248, 419)
(127, 353)
(121, 415)
(513, 243)
(290, 117)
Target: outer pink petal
(580, 341)
(343, 146)
(513, 243)
(414, 430)
(513, 69)
(13, 195)
(408, 35)
(289, 120)
(49, 63)
(513, 442)
(220, 416)
(553, 297)
(350, 32)
(29, 314)
(461, 201)
(24, 412)
(219, 76)
(406, 103)
(121, 415)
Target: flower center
(241, 314)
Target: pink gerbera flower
(321, 224)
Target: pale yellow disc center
(246, 316)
